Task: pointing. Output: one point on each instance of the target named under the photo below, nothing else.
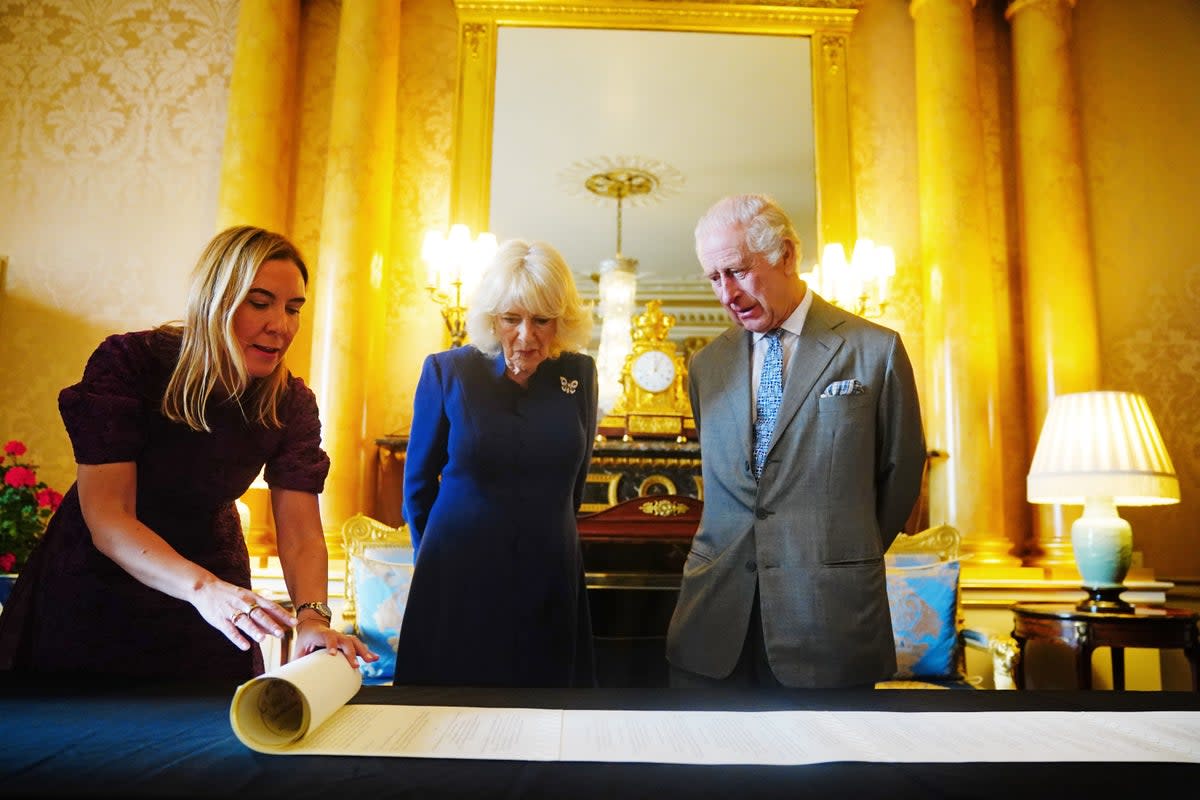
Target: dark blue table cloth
(67, 739)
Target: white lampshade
(1101, 444)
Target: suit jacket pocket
(852, 562)
(843, 403)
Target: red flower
(48, 498)
(20, 476)
(26, 506)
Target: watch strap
(317, 606)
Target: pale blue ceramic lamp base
(1103, 545)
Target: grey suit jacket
(841, 477)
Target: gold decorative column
(354, 238)
(1062, 332)
(256, 165)
(962, 369)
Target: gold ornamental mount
(621, 182)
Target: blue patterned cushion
(380, 594)
(923, 595)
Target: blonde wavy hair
(533, 277)
(211, 364)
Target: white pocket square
(839, 388)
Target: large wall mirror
(709, 98)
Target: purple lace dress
(72, 608)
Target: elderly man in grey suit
(812, 453)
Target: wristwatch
(318, 607)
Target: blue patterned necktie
(766, 404)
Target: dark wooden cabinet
(619, 471)
(633, 555)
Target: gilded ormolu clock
(653, 402)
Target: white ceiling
(729, 113)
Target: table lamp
(1101, 450)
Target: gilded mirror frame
(826, 22)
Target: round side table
(1156, 627)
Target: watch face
(653, 370)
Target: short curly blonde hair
(532, 277)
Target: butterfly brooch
(569, 386)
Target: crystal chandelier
(629, 181)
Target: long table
(67, 739)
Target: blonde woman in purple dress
(143, 570)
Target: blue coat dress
(493, 479)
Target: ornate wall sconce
(454, 264)
(859, 285)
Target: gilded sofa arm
(1003, 651)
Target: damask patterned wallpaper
(112, 118)
(1140, 110)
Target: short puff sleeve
(105, 413)
(299, 463)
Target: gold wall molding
(472, 37)
(666, 15)
(834, 48)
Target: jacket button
(751, 566)
(761, 513)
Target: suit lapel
(817, 346)
(733, 360)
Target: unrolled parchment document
(301, 708)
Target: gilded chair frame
(941, 542)
(359, 533)
(944, 541)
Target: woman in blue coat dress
(501, 439)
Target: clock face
(653, 370)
